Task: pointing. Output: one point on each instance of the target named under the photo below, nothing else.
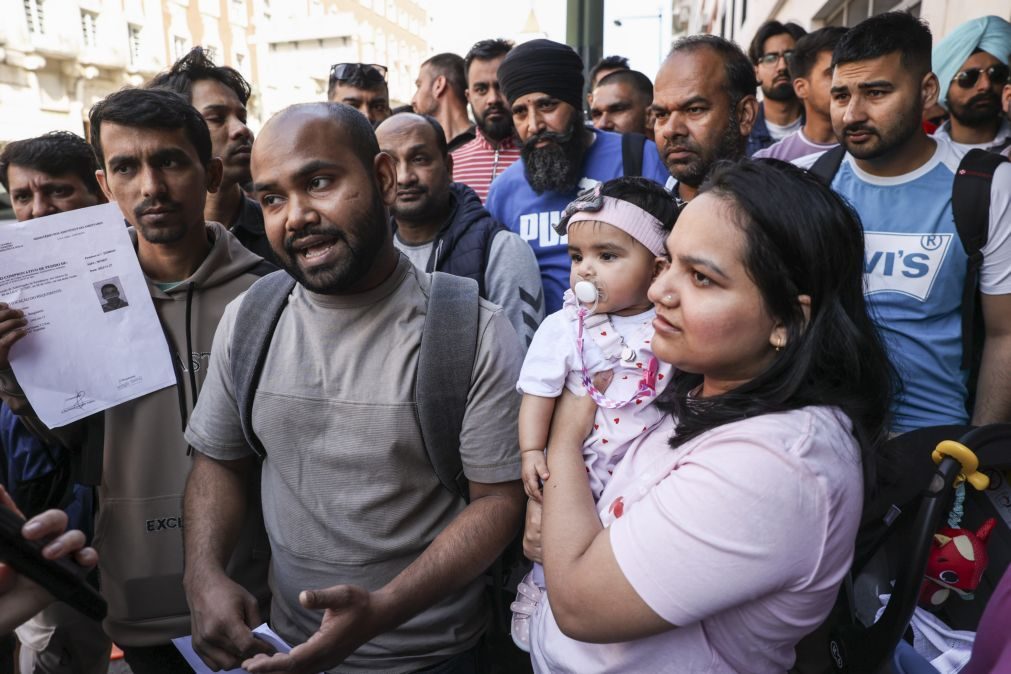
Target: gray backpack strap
(261, 308)
(445, 366)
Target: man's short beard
(973, 117)
(556, 167)
(498, 129)
(907, 125)
(781, 92)
(355, 263)
(731, 146)
(430, 207)
(165, 234)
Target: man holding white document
(155, 154)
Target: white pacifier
(585, 292)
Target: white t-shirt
(739, 537)
(781, 131)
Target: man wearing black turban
(543, 83)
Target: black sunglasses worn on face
(997, 74)
(773, 57)
(369, 72)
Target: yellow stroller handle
(965, 456)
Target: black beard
(556, 167)
(973, 117)
(356, 262)
(781, 92)
(496, 130)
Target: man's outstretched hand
(352, 616)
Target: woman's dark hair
(813, 247)
(646, 194)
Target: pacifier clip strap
(647, 384)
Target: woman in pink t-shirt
(722, 538)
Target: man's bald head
(353, 126)
(408, 122)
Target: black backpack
(632, 151)
(970, 206)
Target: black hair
(835, 357)
(886, 34)
(358, 80)
(361, 135)
(771, 29)
(451, 67)
(646, 194)
(632, 78)
(810, 47)
(738, 70)
(613, 62)
(196, 66)
(56, 153)
(110, 285)
(486, 50)
(401, 109)
(150, 109)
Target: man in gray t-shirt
(350, 500)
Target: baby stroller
(895, 539)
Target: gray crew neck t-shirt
(349, 495)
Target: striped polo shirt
(478, 162)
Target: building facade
(302, 40)
(738, 20)
(59, 57)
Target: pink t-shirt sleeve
(740, 518)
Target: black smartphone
(63, 578)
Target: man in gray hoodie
(155, 156)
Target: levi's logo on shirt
(903, 263)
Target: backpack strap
(632, 146)
(255, 322)
(827, 165)
(445, 367)
(970, 206)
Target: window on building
(35, 16)
(133, 39)
(240, 62)
(89, 29)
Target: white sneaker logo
(903, 263)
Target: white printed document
(94, 338)
(185, 647)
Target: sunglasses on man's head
(773, 57)
(997, 74)
(368, 71)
